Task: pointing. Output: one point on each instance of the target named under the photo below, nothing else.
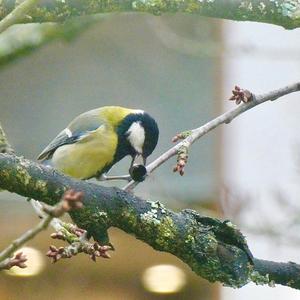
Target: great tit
(97, 139)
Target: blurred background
(180, 69)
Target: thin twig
(70, 200)
(17, 261)
(17, 243)
(206, 244)
(18, 14)
(79, 243)
(76, 237)
(225, 118)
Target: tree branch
(17, 261)
(215, 250)
(70, 200)
(287, 274)
(17, 243)
(190, 136)
(281, 12)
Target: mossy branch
(280, 12)
(213, 249)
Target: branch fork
(77, 238)
(70, 200)
(16, 261)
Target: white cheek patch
(136, 136)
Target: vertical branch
(5, 147)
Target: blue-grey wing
(61, 139)
(79, 128)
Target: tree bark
(213, 249)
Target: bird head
(138, 135)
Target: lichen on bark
(182, 234)
(214, 249)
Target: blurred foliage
(22, 39)
(280, 12)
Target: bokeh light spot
(35, 263)
(164, 279)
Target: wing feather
(78, 129)
(61, 139)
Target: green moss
(211, 258)
(83, 217)
(202, 256)
(259, 279)
(67, 231)
(22, 175)
(166, 233)
(102, 214)
(189, 239)
(100, 218)
(129, 218)
(4, 174)
(41, 187)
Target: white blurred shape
(259, 146)
(164, 279)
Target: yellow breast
(89, 156)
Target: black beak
(137, 159)
(137, 169)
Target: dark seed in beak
(138, 173)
